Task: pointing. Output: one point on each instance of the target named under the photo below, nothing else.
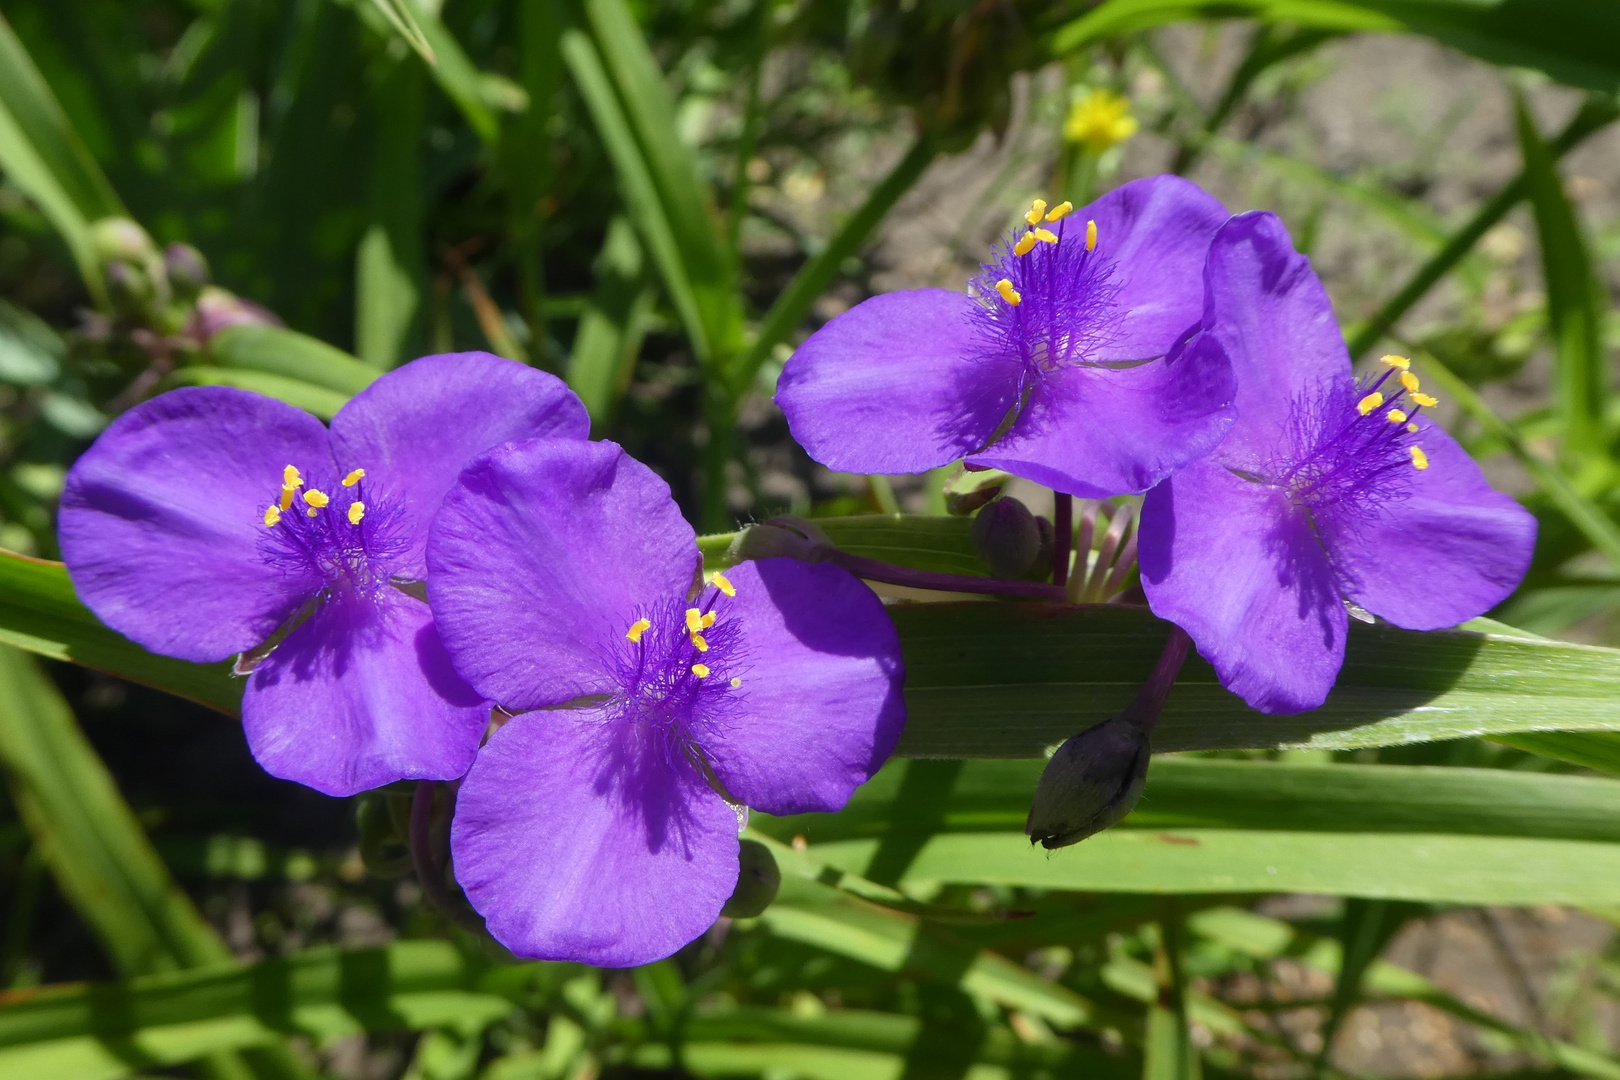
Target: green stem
(720, 414)
(1595, 114)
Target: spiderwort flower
(1327, 488)
(210, 520)
(1099, 120)
(1063, 364)
(598, 824)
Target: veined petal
(1239, 567)
(1269, 312)
(1097, 432)
(896, 384)
(417, 427)
(545, 550)
(361, 695)
(579, 839)
(1156, 231)
(161, 520)
(819, 707)
(1442, 549)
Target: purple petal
(1451, 549)
(820, 707)
(544, 550)
(896, 384)
(1238, 567)
(1268, 310)
(161, 519)
(416, 428)
(362, 695)
(580, 840)
(1157, 233)
(1096, 432)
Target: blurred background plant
(657, 201)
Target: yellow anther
(272, 514)
(1008, 293)
(637, 628)
(736, 683)
(1395, 361)
(310, 512)
(719, 581)
(1091, 236)
(699, 643)
(1060, 211)
(708, 619)
(354, 478)
(1425, 400)
(1025, 245)
(1369, 403)
(1045, 236)
(1412, 428)
(1419, 458)
(287, 497)
(1410, 381)
(1395, 416)
(694, 620)
(701, 670)
(357, 510)
(290, 477)
(316, 498)
(1036, 209)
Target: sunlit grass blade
(404, 17)
(96, 849)
(1576, 303)
(102, 1032)
(42, 154)
(613, 325)
(389, 267)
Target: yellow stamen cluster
(1025, 245)
(1395, 416)
(1419, 458)
(272, 514)
(697, 620)
(1060, 211)
(1036, 235)
(1425, 400)
(357, 510)
(317, 498)
(637, 628)
(354, 478)
(719, 581)
(1395, 361)
(1036, 209)
(701, 670)
(1091, 236)
(1370, 402)
(1008, 293)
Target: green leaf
(390, 265)
(1406, 833)
(1576, 298)
(39, 612)
(1567, 39)
(1594, 749)
(103, 1032)
(44, 156)
(404, 17)
(613, 325)
(277, 351)
(322, 402)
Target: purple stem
(874, 570)
(1144, 711)
(1063, 536)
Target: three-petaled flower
(1325, 489)
(1066, 363)
(211, 521)
(600, 824)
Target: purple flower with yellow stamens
(211, 521)
(1326, 489)
(600, 823)
(1065, 362)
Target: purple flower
(599, 824)
(1325, 489)
(207, 518)
(1062, 364)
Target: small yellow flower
(1099, 120)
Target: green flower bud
(121, 240)
(187, 270)
(782, 538)
(1092, 782)
(1007, 538)
(383, 820)
(758, 878)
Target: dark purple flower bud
(187, 270)
(1007, 538)
(758, 879)
(1091, 783)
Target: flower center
(678, 667)
(1361, 453)
(1048, 298)
(336, 534)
